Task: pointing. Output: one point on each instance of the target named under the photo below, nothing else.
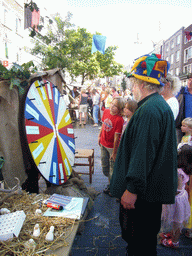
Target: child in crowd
(188, 231)
(109, 136)
(175, 216)
(187, 129)
(187, 139)
(129, 109)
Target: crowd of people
(146, 153)
(92, 102)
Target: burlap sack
(13, 144)
(10, 146)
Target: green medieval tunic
(146, 162)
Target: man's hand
(128, 200)
(113, 156)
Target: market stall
(37, 139)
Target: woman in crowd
(130, 108)
(96, 101)
(83, 106)
(172, 86)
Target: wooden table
(65, 250)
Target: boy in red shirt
(109, 136)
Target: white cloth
(66, 99)
(186, 139)
(174, 105)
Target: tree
(70, 49)
(108, 66)
(83, 63)
(124, 84)
(52, 48)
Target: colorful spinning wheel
(49, 132)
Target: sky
(131, 25)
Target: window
(171, 72)
(186, 40)
(187, 54)
(17, 57)
(6, 50)
(187, 69)
(5, 16)
(6, 47)
(172, 58)
(177, 71)
(172, 44)
(178, 39)
(18, 25)
(167, 47)
(177, 55)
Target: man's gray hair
(149, 86)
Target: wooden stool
(86, 153)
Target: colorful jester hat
(150, 68)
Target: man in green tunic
(145, 172)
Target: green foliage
(70, 49)
(52, 47)
(32, 33)
(127, 74)
(32, 6)
(29, 66)
(50, 21)
(17, 75)
(124, 84)
(108, 66)
(2, 68)
(82, 62)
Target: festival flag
(27, 17)
(98, 44)
(35, 19)
(31, 18)
(188, 35)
